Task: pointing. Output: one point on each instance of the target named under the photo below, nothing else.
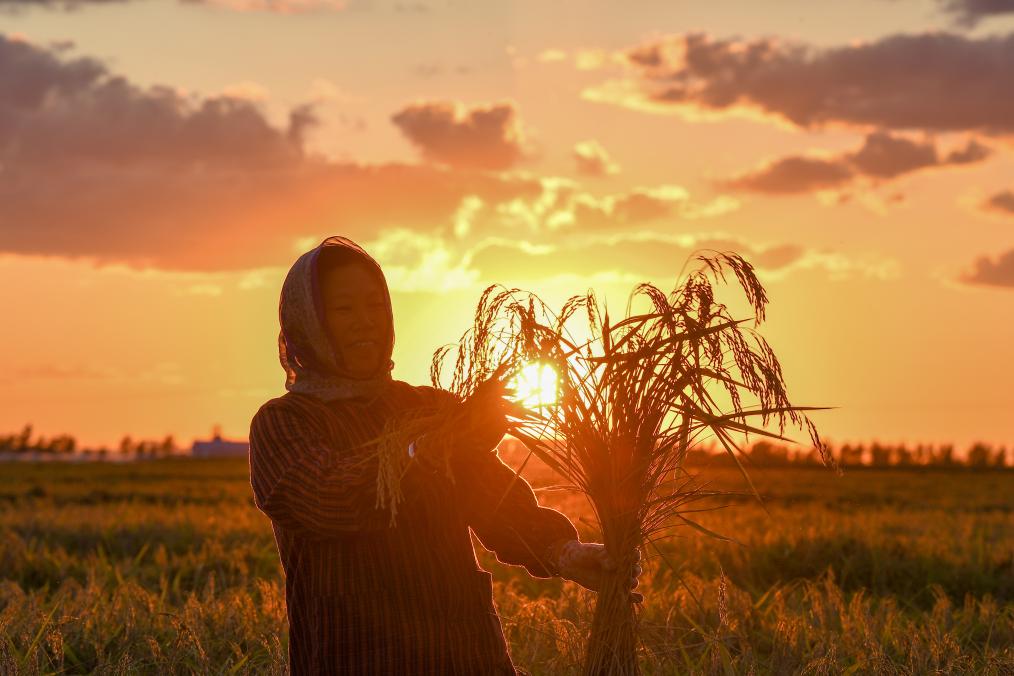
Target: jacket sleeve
(505, 515)
(308, 483)
(501, 507)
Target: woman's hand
(476, 424)
(483, 416)
(587, 563)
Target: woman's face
(355, 315)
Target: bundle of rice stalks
(634, 397)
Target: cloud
(414, 262)
(483, 137)
(56, 110)
(641, 257)
(248, 90)
(18, 6)
(886, 156)
(987, 272)
(968, 13)
(272, 6)
(1002, 201)
(583, 59)
(324, 90)
(791, 175)
(562, 206)
(883, 156)
(593, 160)
(551, 55)
(931, 81)
(94, 166)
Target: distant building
(219, 448)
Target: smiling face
(355, 316)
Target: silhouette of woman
(364, 597)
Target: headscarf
(312, 364)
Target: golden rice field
(166, 567)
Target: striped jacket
(366, 598)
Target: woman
(363, 596)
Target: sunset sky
(163, 163)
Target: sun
(535, 385)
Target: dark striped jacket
(366, 598)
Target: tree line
(66, 444)
(979, 455)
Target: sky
(164, 162)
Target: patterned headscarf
(312, 364)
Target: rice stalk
(633, 397)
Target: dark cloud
(883, 156)
(484, 137)
(627, 210)
(968, 13)
(886, 156)
(94, 166)
(931, 81)
(988, 272)
(65, 111)
(973, 152)
(792, 175)
(1002, 201)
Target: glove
(587, 563)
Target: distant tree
(767, 453)
(807, 456)
(21, 442)
(880, 456)
(944, 456)
(902, 456)
(168, 446)
(851, 455)
(126, 445)
(979, 455)
(1000, 458)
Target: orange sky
(162, 163)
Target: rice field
(166, 567)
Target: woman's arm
(504, 513)
(499, 505)
(304, 483)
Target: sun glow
(535, 385)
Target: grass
(166, 567)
